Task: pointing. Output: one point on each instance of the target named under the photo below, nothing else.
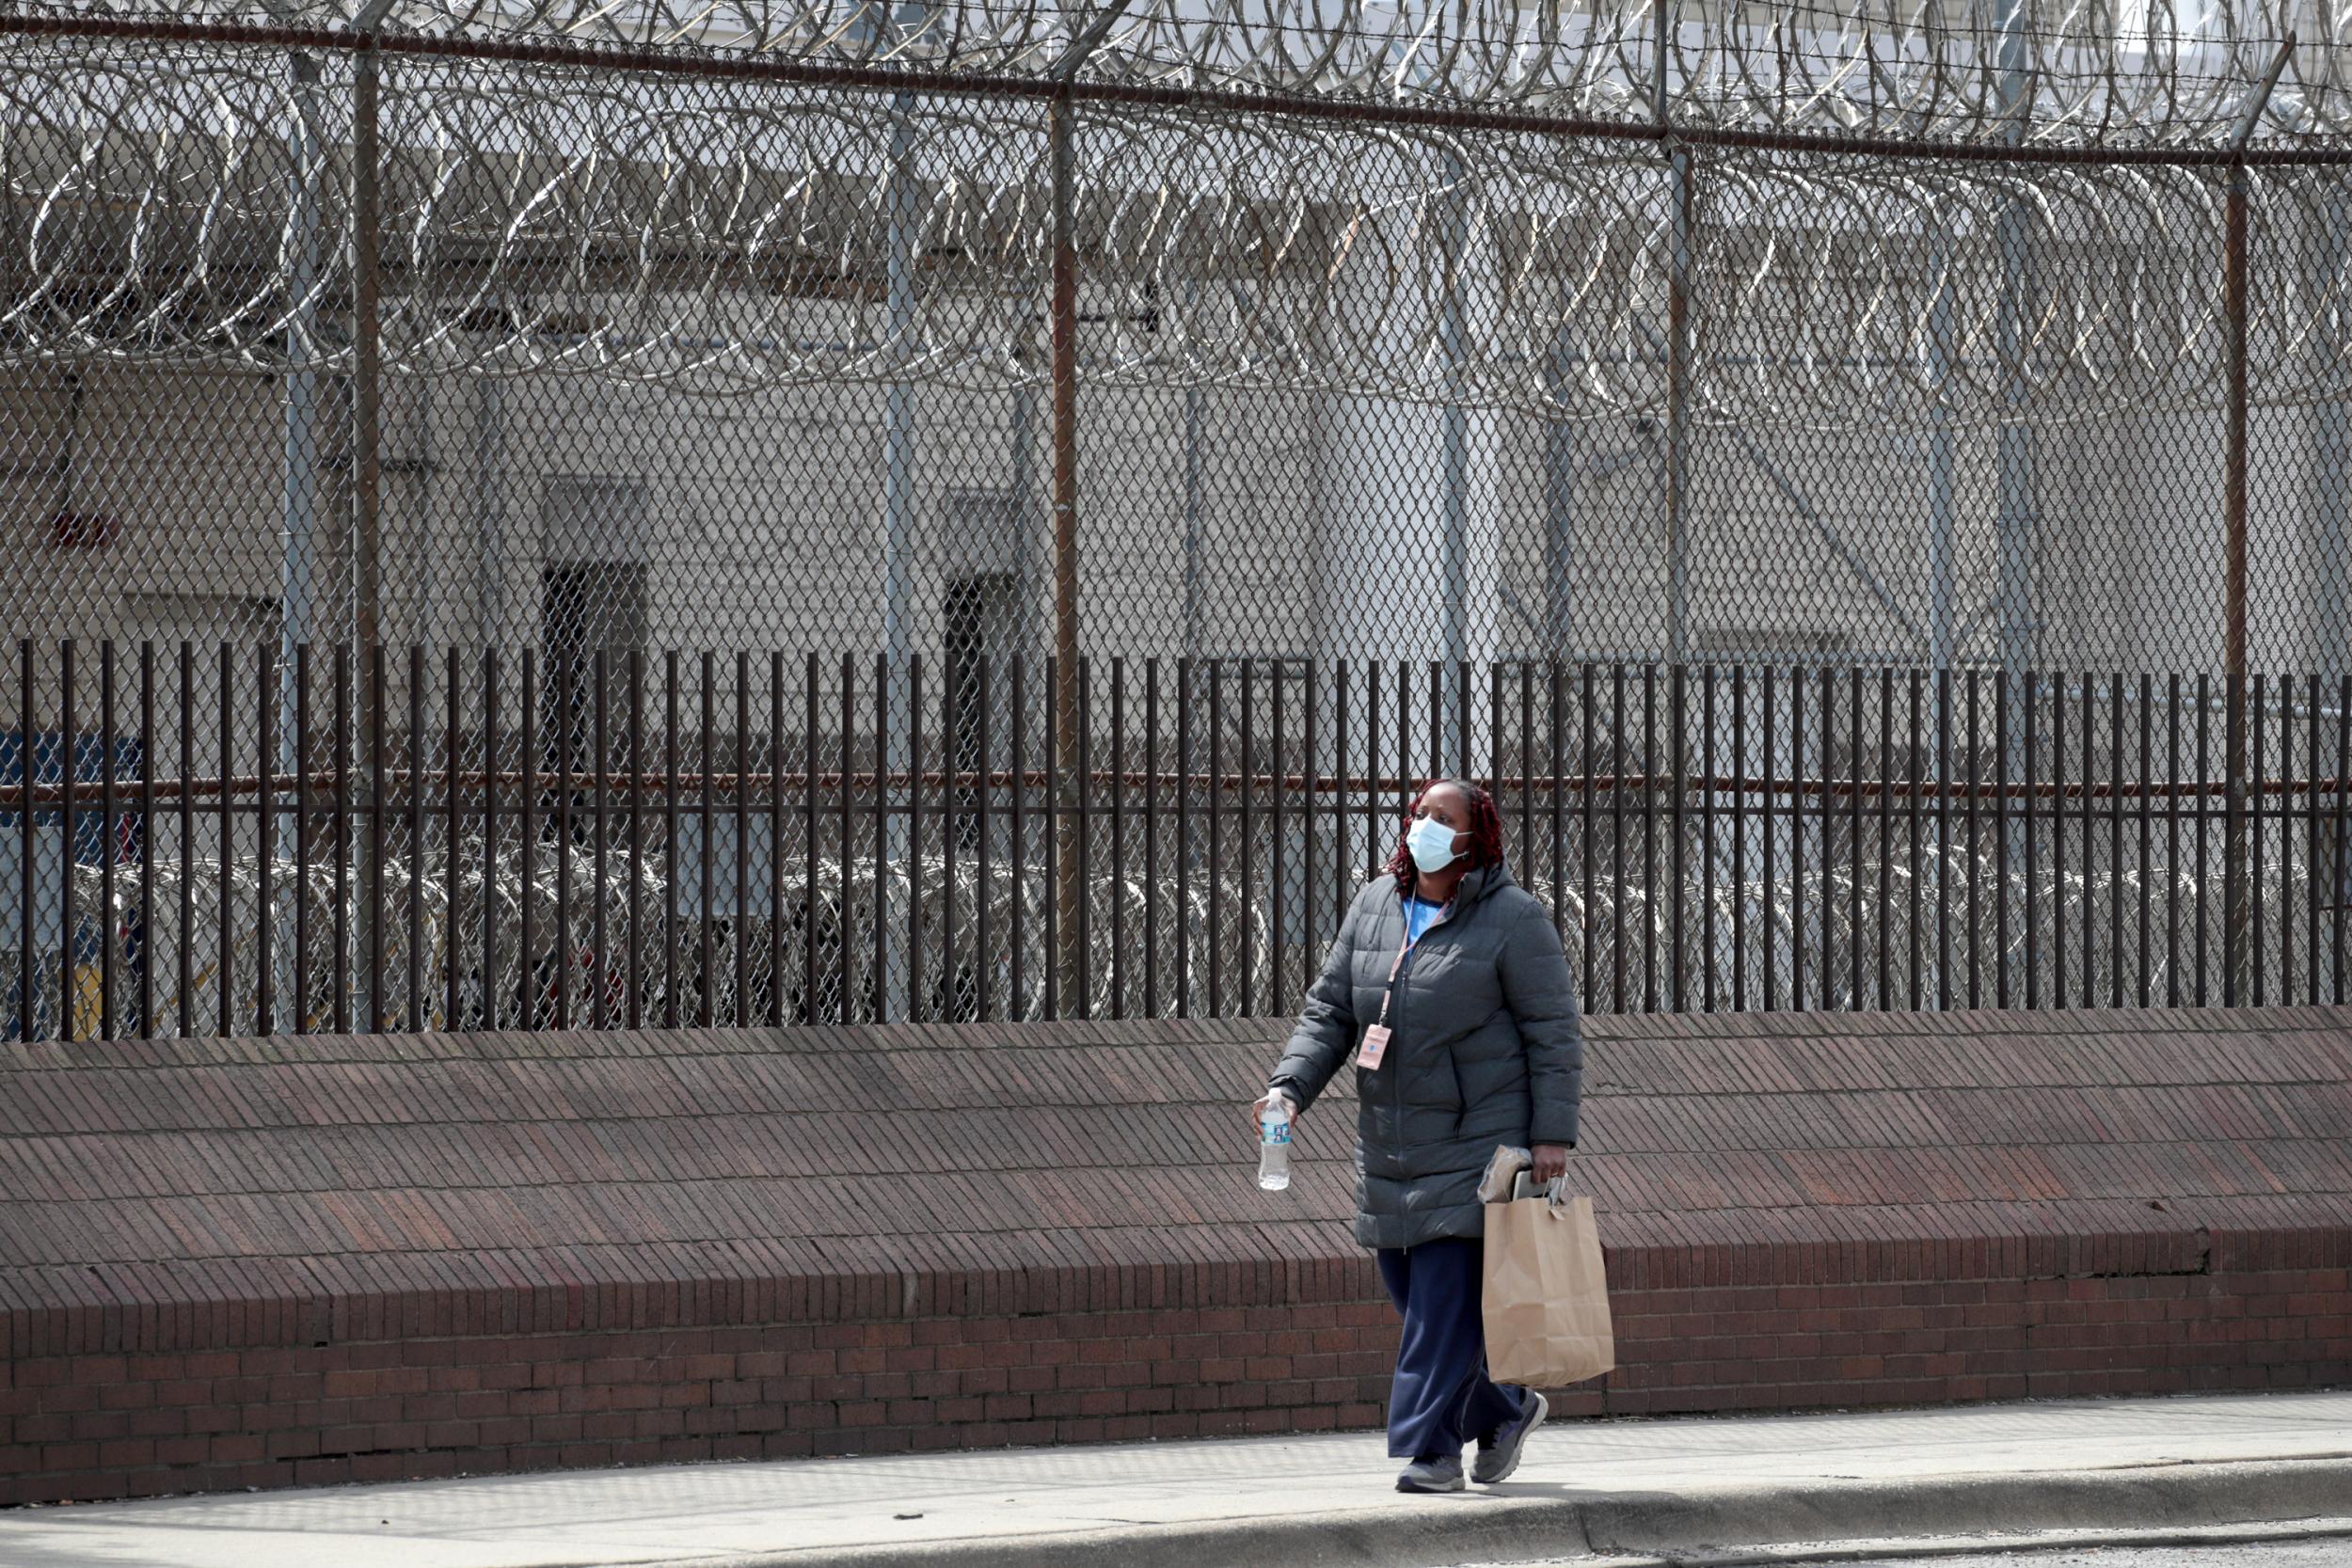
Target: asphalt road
(2330, 1553)
(2283, 1554)
(2270, 1555)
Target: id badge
(1376, 1046)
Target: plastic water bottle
(1274, 1145)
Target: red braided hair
(1485, 832)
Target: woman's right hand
(1257, 1110)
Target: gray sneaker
(1500, 1455)
(1432, 1475)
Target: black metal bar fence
(755, 847)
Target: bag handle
(1555, 1193)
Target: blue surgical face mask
(1431, 844)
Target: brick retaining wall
(262, 1263)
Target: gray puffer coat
(1486, 1051)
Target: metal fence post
(2234, 268)
(367, 345)
(1068, 821)
(1943, 519)
(2016, 515)
(1195, 422)
(2237, 910)
(367, 356)
(1678, 365)
(2328, 256)
(299, 560)
(1069, 890)
(891, 994)
(1453, 448)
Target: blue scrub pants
(1441, 1398)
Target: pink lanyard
(1388, 987)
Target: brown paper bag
(1546, 1296)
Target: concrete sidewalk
(1651, 1490)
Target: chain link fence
(1780, 337)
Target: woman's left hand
(1551, 1162)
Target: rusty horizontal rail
(709, 65)
(399, 782)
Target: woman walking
(1449, 992)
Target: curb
(2172, 1504)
